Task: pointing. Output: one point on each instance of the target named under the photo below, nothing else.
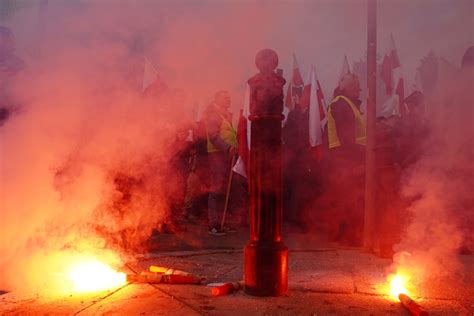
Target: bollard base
(266, 268)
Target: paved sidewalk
(323, 280)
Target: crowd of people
(312, 183)
(203, 186)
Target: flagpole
(369, 218)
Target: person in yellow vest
(346, 134)
(221, 145)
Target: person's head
(350, 86)
(7, 41)
(416, 104)
(222, 99)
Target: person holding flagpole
(221, 146)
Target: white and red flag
(152, 83)
(391, 74)
(313, 97)
(243, 137)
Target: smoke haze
(441, 214)
(81, 118)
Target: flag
(198, 111)
(322, 105)
(400, 91)
(246, 113)
(240, 166)
(297, 80)
(150, 75)
(243, 137)
(317, 114)
(386, 74)
(295, 86)
(390, 107)
(345, 69)
(391, 75)
(391, 61)
(393, 53)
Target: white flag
(345, 69)
(315, 128)
(247, 112)
(150, 74)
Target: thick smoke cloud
(82, 121)
(441, 216)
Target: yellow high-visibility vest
(361, 134)
(226, 132)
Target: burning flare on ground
(398, 292)
(398, 285)
(92, 275)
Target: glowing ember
(398, 285)
(94, 275)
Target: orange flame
(398, 285)
(92, 275)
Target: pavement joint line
(21, 303)
(102, 298)
(228, 271)
(177, 298)
(193, 254)
(25, 301)
(205, 252)
(305, 290)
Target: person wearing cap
(346, 135)
(221, 145)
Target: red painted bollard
(265, 255)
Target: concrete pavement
(323, 280)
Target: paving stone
(322, 281)
(139, 299)
(17, 304)
(329, 281)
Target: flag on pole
(391, 74)
(243, 137)
(400, 91)
(317, 114)
(150, 74)
(345, 69)
(390, 107)
(295, 86)
(322, 105)
(391, 61)
(395, 60)
(386, 74)
(246, 113)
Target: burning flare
(398, 283)
(92, 275)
